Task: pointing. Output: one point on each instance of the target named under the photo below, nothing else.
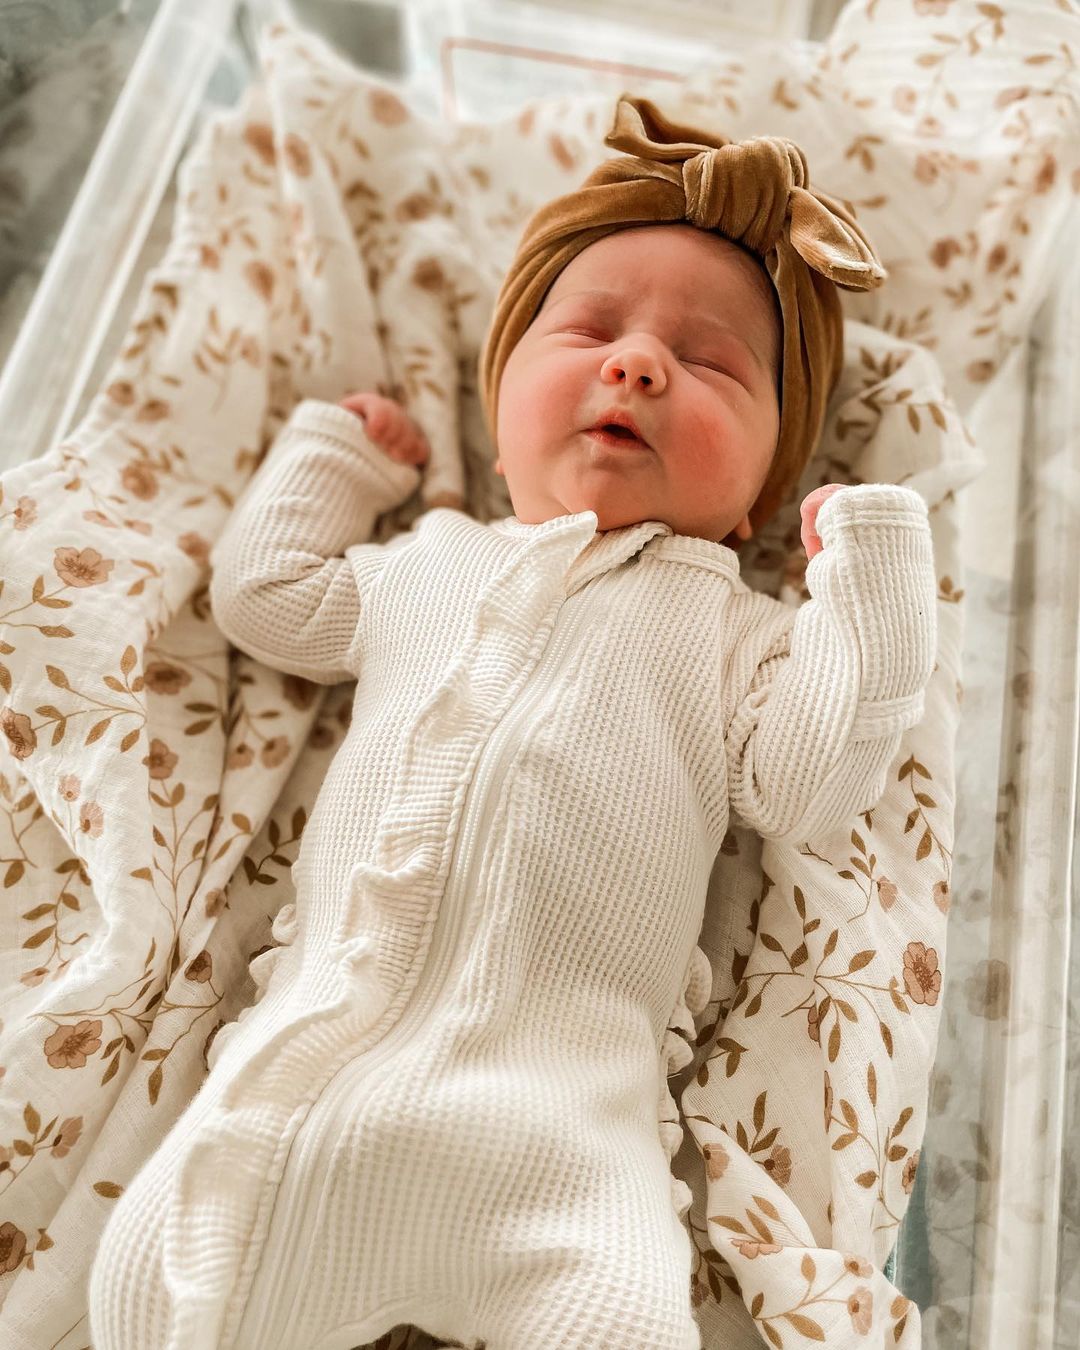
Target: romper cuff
(390, 482)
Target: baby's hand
(811, 506)
(390, 427)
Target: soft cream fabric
(156, 783)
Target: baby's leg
(634, 1293)
(129, 1304)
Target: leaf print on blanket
(116, 1023)
(927, 839)
(882, 1151)
(757, 1236)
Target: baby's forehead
(705, 258)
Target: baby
(448, 1107)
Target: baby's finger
(808, 512)
(813, 501)
(811, 540)
(420, 448)
(411, 451)
(357, 403)
(381, 422)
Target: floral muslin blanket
(155, 783)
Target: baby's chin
(609, 517)
(613, 517)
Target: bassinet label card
(478, 61)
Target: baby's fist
(811, 506)
(390, 427)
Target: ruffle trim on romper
(261, 969)
(220, 1202)
(677, 1050)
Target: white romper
(449, 1106)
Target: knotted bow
(746, 190)
(756, 193)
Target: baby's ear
(744, 529)
(499, 467)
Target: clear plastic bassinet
(92, 213)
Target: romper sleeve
(811, 741)
(290, 566)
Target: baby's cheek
(716, 433)
(699, 464)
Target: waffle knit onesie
(449, 1105)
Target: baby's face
(680, 330)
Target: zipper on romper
(482, 799)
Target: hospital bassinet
(997, 1139)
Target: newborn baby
(449, 1107)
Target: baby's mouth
(611, 434)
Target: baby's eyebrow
(700, 319)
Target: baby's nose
(637, 365)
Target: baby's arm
(812, 740)
(290, 565)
